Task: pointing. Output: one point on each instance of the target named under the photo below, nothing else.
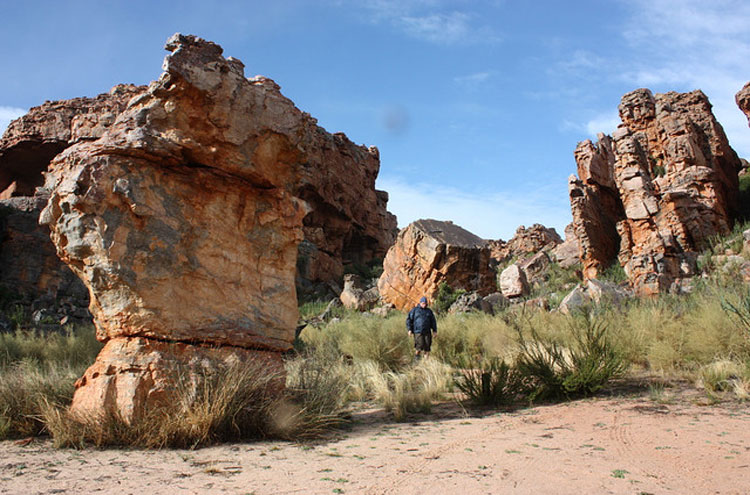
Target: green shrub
(614, 273)
(554, 371)
(25, 389)
(490, 383)
(75, 346)
(445, 298)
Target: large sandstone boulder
(183, 219)
(655, 192)
(513, 282)
(347, 221)
(428, 253)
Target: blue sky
(476, 106)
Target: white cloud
(693, 44)
(605, 123)
(7, 114)
(431, 21)
(471, 82)
(490, 216)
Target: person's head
(423, 302)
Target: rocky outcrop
(594, 292)
(653, 194)
(428, 253)
(743, 100)
(184, 218)
(347, 222)
(525, 241)
(32, 141)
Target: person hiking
(422, 325)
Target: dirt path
(628, 446)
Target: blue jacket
(421, 320)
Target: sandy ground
(596, 446)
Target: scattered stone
(575, 299)
(497, 301)
(470, 301)
(513, 282)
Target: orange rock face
(184, 218)
(656, 191)
(32, 141)
(428, 253)
(525, 241)
(136, 375)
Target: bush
(554, 371)
(445, 298)
(414, 390)
(26, 388)
(490, 383)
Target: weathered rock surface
(593, 292)
(568, 253)
(470, 301)
(525, 241)
(428, 253)
(652, 195)
(184, 218)
(136, 375)
(32, 141)
(29, 266)
(513, 282)
(347, 221)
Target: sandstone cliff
(183, 219)
(428, 253)
(654, 192)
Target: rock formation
(347, 221)
(183, 220)
(428, 253)
(29, 266)
(356, 296)
(743, 100)
(32, 141)
(525, 241)
(652, 195)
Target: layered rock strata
(429, 252)
(184, 218)
(653, 193)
